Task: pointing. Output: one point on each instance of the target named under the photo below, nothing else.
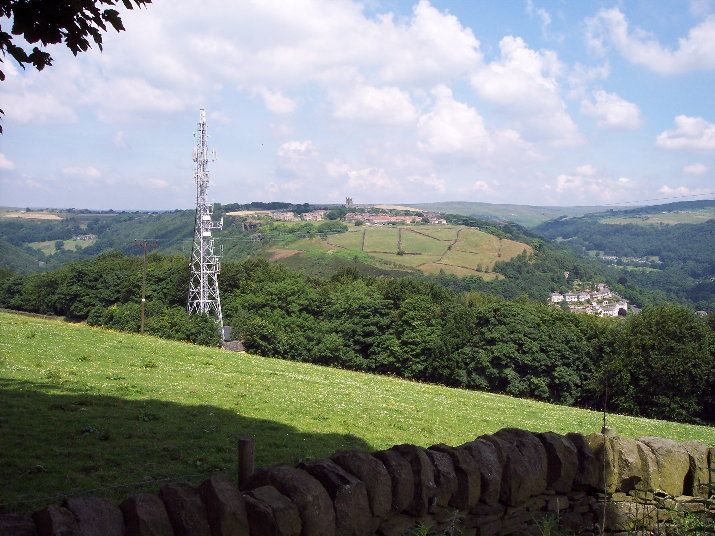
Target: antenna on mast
(205, 265)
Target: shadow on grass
(58, 442)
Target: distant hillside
(652, 246)
(526, 215)
(429, 249)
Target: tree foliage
(658, 364)
(76, 23)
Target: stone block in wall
(311, 498)
(95, 515)
(628, 516)
(423, 473)
(403, 481)
(562, 459)
(673, 463)
(589, 470)
(402, 524)
(225, 508)
(373, 474)
(557, 503)
(145, 515)
(602, 448)
(55, 521)
(16, 525)
(270, 513)
(696, 481)
(186, 511)
(490, 463)
(525, 465)
(445, 476)
(349, 495)
(468, 474)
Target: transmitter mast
(205, 262)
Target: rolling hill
(85, 408)
(429, 249)
(526, 215)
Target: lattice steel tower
(205, 262)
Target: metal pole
(245, 460)
(141, 330)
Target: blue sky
(530, 102)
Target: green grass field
(667, 218)
(84, 408)
(48, 247)
(426, 248)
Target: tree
(73, 22)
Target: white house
(556, 297)
(569, 297)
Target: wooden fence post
(245, 460)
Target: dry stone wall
(505, 483)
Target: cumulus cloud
(379, 105)
(588, 186)
(523, 83)
(611, 111)
(5, 163)
(296, 149)
(695, 169)
(276, 102)
(587, 170)
(453, 127)
(610, 28)
(689, 133)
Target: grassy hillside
(84, 408)
(526, 215)
(670, 217)
(428, 249)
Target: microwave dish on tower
(205, 265)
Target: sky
(529, 102)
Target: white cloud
(581, 76)
(611, 111)
(5, 163)
(587, 170)
(481, 186)
(296, 149)
(122, 99)
(431, 181)
(695, 169)
(453, 127)
(590, 188)
(610, 27)
(545, 18)
(35, 107)
(689, 133)
(523, 84)
(84, 172)
(386, 105)
(276, 102)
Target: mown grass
(84, 408)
